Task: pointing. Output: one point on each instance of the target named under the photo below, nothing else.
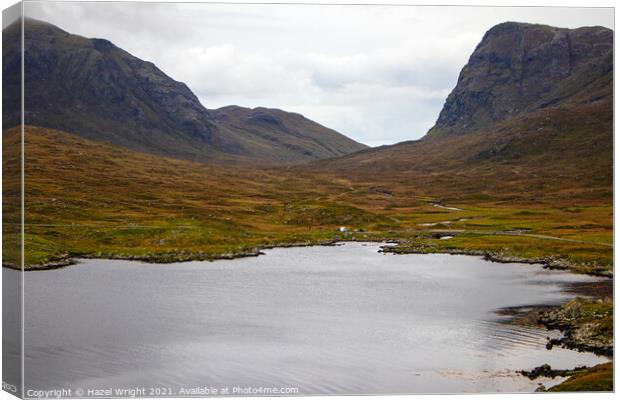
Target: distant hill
(531, 117)
(94, 89)
(281, 135)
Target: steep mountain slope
(94, 89)
(526, 119)
(518, 68)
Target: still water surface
(339, 320)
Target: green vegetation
(586, 257)
(92, 199)
(595, 379)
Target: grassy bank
(596, 379)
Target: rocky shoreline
(65, 260)
(500, 257)
(546, 371)
(598, 378)
(58, 262)
(586, 325)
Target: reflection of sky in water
(341, 319)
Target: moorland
(519, 166)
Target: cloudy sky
(379, 74)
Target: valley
(116, 203)
(131, 166)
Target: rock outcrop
(519, 68)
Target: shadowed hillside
(530, 118)
(543, 156)
(282, 136)
(520, 68)
(94, 89)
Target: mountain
(282, 135)
(518, 68)
(531, 117)
(94, 89)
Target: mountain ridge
(92, 88)
(519, 67)
(276, 125)
(539, 150)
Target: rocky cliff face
(93, 88)
(96, 90)
(530, 117)
(518, 68)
